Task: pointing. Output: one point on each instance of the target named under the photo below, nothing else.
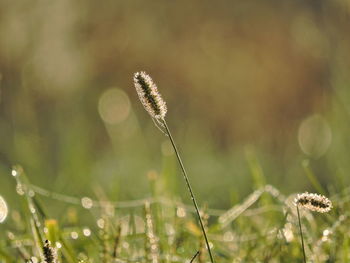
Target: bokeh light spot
(314, 136)
(3, 209)
(114, 106)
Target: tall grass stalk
(189, 187)
(301, 236)
(154, 104)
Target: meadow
(257, 111)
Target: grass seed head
(314, 202)
(149, 95)
(49, 253)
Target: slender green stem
(189, 189)
(194, 257)
(301, 235)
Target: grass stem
(194, 257)
(301, 235)
(189, 188)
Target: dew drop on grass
(74, 235)
(87, 203)
(181, 212)
(326, 232)
(31, 193)
(58, 245)
(87, 232)
(10, 236)
(100, 223)
(19, 189)
(32, 209)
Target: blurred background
(257, 92)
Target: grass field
(261, 228)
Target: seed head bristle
(49, 253)
(314, 202)
(149, 95)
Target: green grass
(262, 228)
(94, 224)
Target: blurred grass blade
(312, 177)
(255, 167)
